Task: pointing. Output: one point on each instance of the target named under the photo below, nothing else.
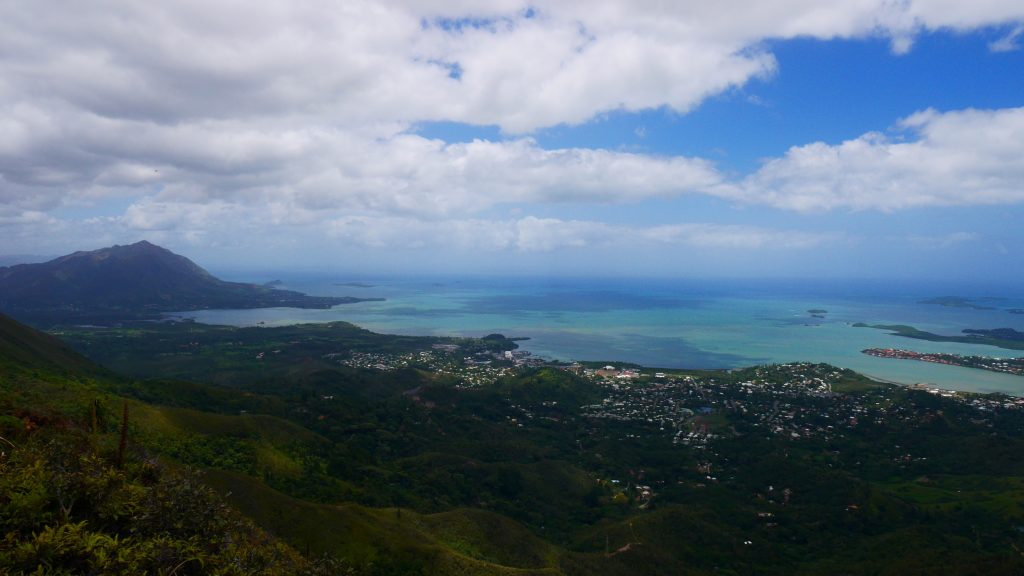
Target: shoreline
(720, 334)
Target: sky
(762, 138)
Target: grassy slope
(41, 380)
(455, 542)
(68, 505)
(23, 348)
(699, 536)
(470, 541)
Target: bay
(676, 323)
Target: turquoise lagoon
(676, 323)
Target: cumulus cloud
(959, 158)
(521, 65)
(191, 112)
(329, 169)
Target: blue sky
(824, 90)
(785, 138)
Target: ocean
(676, 323)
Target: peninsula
(1005, 365)
(140, 281)
(1007, 338)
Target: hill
(26, 349)
(419, 465)
(140, 280)
(59, 429)
(76, 498)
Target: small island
(999, 333)
(817, 312)
(1007, 338)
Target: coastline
(684, 324)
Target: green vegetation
(295, 462)
(71, 500)
(997, 333)
(1001, 337)
(234, 357)
(67, 508)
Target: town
(793, 402)
(479, 369)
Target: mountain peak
(145, 245)
(140, 245)
(144, 256)
(131, 281)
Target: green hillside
(428, 463)
(24, 349)
(391, 540)
(74, 501)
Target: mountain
(136, 281)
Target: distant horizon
(978, 287)
(258, 274)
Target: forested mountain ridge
(132, 281)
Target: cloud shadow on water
(654, 351)
(416, 312)
(574, 301)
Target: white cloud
(259, 228)
(961, 158)
(199, 175)
(943, 241)
(28, 218)
(533, 234)
(322, 169)
(1008, 43)
(213, 116)
(735, 236)
(528, 65)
